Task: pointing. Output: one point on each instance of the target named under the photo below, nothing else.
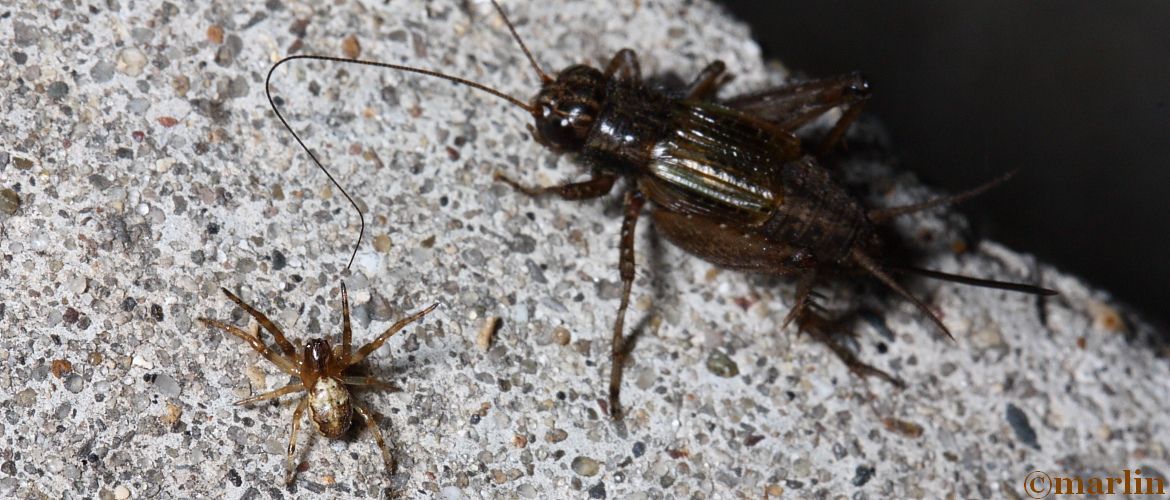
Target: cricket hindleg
(821, 329)
(707, 83)
(633, 207)
(792, 106)
(625, 65)
(588, 189)
(804, 285)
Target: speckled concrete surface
(142, 169)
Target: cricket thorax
(329, 407)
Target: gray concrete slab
(146, 171)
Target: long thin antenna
(544, 78)
(436, 74)
(882, 214)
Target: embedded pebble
(562, 336)
(74, 383)
(597, 491)
(351, 47)
(487, 332)
(166, 385)
(721, 365)
(57, 90)
(1019, 423)
(555, 435)
(9, 202)
(862, 475)
(585, 466)
(382, 243)
(172, 414)
(1105, 317)
(61, 367)
(26, 397)
(131, 61)
(102, 71)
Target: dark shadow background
(1073, 93)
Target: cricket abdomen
(330, 407)
(818, 216)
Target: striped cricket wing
(716, 161)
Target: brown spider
(321, 371)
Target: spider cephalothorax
(321, 370)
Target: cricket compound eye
(567, 107)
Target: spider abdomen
(329, 407)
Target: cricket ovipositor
(727, 180)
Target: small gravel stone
(131, 61)
(167, 385)
(351, 47)
(555, 435)
(26, 397)
(382, 243)
(562, 336)
(597, 491)
(721, 365)
(278, 260)
(862, 475)
(57, 90)
(585, 466)
(1019, 422)
(215, 34)
(25, 34)
(102, 71)
(9, 202)
(121, 492)
(74, 383)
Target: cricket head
(566, 107)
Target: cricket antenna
(397, 67)
(544, 78)
(275, 109)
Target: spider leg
(371, 382)
(292, 439)
(288, 389)
(281, 341)
(376, 343)
(372, 424)
(286, 365)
